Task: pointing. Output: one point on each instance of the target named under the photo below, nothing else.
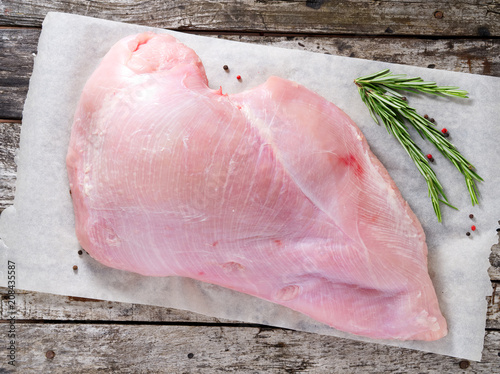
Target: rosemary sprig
(389, 82)
(379, 92)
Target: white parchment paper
(38, 231)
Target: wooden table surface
(56, 334)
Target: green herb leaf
(379, 92)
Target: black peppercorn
(467, 233)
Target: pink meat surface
(273, 192)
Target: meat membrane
(272, 192)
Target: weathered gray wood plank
(493, 315)
(494, 270)
(9, 143)
(463, 55)
(17, 47)
(95, 348)
(356, 17)
(41, 306)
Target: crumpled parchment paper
(38, 231)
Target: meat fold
(273, 192)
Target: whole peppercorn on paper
(38, 231)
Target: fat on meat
(273, 192)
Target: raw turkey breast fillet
(273, 192)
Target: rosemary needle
(379, 92)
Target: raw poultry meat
(273, 192)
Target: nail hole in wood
(50, 354)
(464, 364)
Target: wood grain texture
(355, 17)
(494, 270)
(36, 306)
(462, 55)
(95, 348)
(493, 314)
(47, 307)
(9, 141)
(17, 49)
(18, 46)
